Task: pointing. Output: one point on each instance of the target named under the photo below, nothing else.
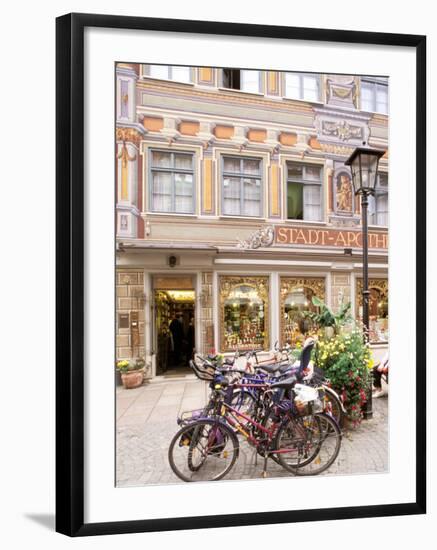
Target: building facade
(234, 207)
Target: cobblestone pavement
(146, 423)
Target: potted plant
(132, 372)
(346, 361)
(326, 319)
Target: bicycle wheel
(308, 445)
(332, 405)
(204, 450)
(243, 401)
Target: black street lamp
(364, 168)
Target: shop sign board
(341, 238)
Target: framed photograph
(240, 274)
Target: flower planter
(132, 379)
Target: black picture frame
(70, 272)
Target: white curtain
(292, 85)
(161, 192)
(311, 201)
(310, 87)
(181, 74)
(382, 209)
(231, 196)
(249, 81)
(158, 71)
(251, 197)
(184, 193)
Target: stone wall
(130, 302)
(206, 313)
(340, 290)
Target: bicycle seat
(285, 384)
(269, 369)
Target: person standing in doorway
(190, 338)
(177, 333)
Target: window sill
(373, 112)
(318, 103)
(304, 222)
(242, 218)
(169, 214)
(383, 227)
(158, 79)
(256, 94)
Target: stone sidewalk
(146, 423)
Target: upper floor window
(304, 192)
(374, 96)
(172, 182)
(241, 187)
(302, 86)
(170, 72)
(378, 203)
(246, 81)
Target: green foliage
(127, 365)
(347, 361)
(325, 317)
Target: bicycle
(206, 448)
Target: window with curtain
(374, 96)
(244, 80)
(172, 182)
(302, 86)
(304, 192)
(378, 203)
(241, 186)
(170, 72)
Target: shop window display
(296, 299)
(244, 312)
(378, 308)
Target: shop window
(304, 192)
(302, 86)
(246, 81)
(244, 322)
(296, 299)
(374, 95)
(241, 187)
(171, 182)
(170, 72)
(378, 203)
(378, 308)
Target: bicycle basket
(189, 416)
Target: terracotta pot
(132, 378)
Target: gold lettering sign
(341, 238)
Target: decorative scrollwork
(261, 238)
(342, 130)
(378, 284)
(128, 134)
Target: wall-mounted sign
(341, 238)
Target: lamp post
(364, 168)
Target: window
(244, 312)
(169, 72)
(304, 192)
(247, 81)
(378, 204)
(378, 308)
(374, 96)
(302, 86)
(172, 182)
(296, 302)
(241, 186)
